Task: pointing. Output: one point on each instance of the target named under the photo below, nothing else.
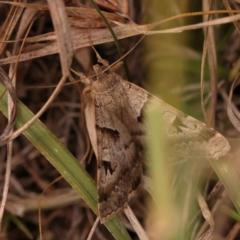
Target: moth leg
(84, 79)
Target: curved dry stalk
(208, 217)
(135, 224)
(205, 225)
(228, 7)
(225, 97)
(232, 116)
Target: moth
(113, 113)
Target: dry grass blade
(4, 137)
(62, 30)
(212, 63)
(234, 232)
(9, 25)
(202, 79)
(80, 38)
(111, 5)
(214, 22)
(227, 5)
(121, 6)
(232, 116)
(80, 11)
(21, 206)
(124, 6)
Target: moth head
(99, 71)
(103, 71)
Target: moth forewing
(187, 136)
(116, 138)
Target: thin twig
(93, 229)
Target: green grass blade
(228, 176)
(63, 161)
(20, 225)
(230, 212)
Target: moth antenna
(98, 70)
(104, 62)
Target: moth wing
(119, 153)
(185, 135)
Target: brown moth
(113, 112)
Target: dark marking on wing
(126, 146)
(103, 197)
(177, 123)
(138, 133)
(136, 183)
(114, 133)
(205, 135)
(139, 119)
(107, 167)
